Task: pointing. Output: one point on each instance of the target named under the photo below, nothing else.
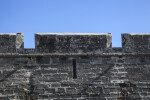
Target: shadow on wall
(10, 73)
(97, 78)
(27, 87)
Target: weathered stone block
(136, 42)
(10, 43)
(72, 42)
(42, 60)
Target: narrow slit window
(74, 69)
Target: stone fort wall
(75, 66)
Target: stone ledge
(74, 54)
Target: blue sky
(81, 16)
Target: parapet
(11, 43)
(91, 43)
(136, 42)
(72, 42)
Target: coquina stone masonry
(75, 66)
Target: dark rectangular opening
(74, 69)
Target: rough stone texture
(109, 75)
(136, 42)
(72, 42)
(11, 42)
